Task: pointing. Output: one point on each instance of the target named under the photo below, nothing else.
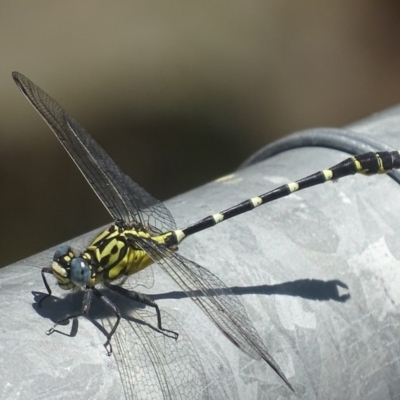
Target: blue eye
(80, 272)
(61, 252)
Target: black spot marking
(105, 260)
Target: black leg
(46, 271)
(87, 298)
(110, 305)
(141, 298)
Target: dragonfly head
(69, 270)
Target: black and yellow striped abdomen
(368, 164)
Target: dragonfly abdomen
(370, 163)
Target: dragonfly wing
(215, 299)
(143, 278)
(154, 365)
(124, 199)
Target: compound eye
(61, 252)
(80, 271)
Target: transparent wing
(127, 201)
(214, 298)
(81, 243)
(143, 278)
(124, 199)
(153, 365)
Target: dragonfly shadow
(312, 289)
(55, 308)
(130, 310)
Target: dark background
(177, 93)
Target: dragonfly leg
(46, 284)
(144, 299)
(87, 298)
(111, 306)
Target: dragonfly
(144, 232)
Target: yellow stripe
(357, 164)
(293, 186)
(179, 235)
(218, 218)
(381, 169)
(256, 201)
(114, 272)
(57, 269)
(328, 174)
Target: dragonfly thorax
(115, 252)
(69, 270)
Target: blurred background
(177, 93)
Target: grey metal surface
(318, 273)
